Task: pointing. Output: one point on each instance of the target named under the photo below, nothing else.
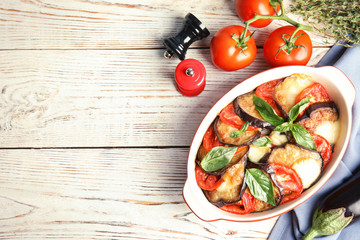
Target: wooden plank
(105, 98)
(54, 99)
(104, 194)
(114, 24)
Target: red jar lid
(190, 77)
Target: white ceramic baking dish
(342, 92)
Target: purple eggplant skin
(239, 156)
(316, 106)
(267, 168)
(245, 116)
(347, 196)
(268, 158)
(283, 112)
(245, 143)
(270, 171)
(222, 202)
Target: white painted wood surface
(93, 134)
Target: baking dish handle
(195, 206)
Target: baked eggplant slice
(245, 108)
(240, 153)
(307, 163)
(230, 190)
(224, 131)
(256, 154)
(201, 153)
(286, 91)
(322, 118)
(277, 188)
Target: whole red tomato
(225, 51)
(300, 54)
(246, 10)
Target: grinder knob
(190, 77)
(192, 31)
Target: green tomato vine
(289, 43)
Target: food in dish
(268, 146)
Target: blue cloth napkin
(295, 224)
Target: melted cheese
(229, 190)
(329, 130)
(257, 153)
(290, 87)
(277, 138)
(292, 153)
(308, 169)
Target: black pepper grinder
(192, 31)
(190, 74)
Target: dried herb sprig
(339, 19)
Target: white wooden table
(94, 136)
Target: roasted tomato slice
(207, 181)
(323, 146)
(289, 180)
(228, 116)
(241, 149)
(289, 196)
(244, 206)
(265, 91)
(315, 92)
(210, 139)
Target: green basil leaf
(217, 158)
(267, 112)
(285, 127)
(238, 133)
(302, 136)
(298, 108)
(260, 185)
(262, 142)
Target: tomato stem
(241, 41)
(282, 16)
(290, 42)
